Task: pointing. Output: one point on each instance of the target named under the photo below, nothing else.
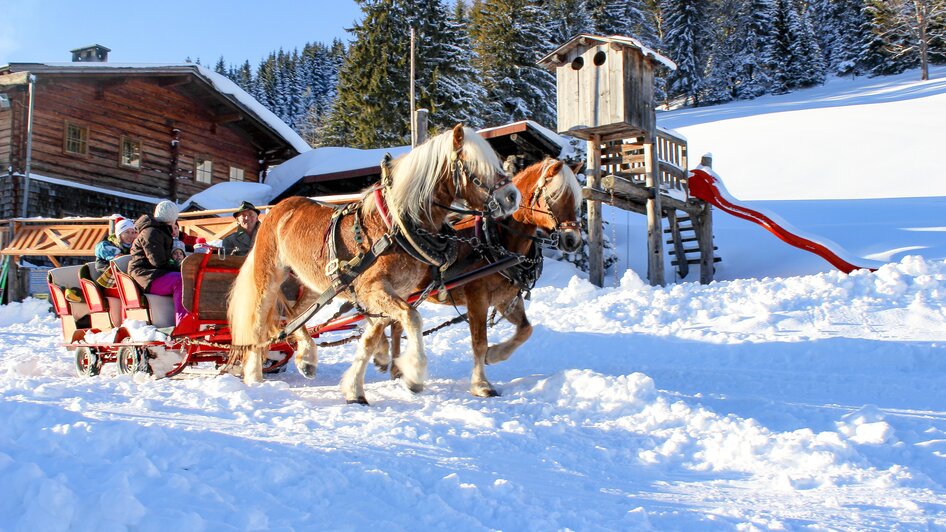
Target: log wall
(139, 109)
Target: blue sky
(168, 31)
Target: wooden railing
(625, 158)
(77, 237)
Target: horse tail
(252, 303)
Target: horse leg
(306, 357)
(413, 364)
(353, 381)
(514, 311)
(396, 331)
(477, 305)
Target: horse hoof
(359, 401)
(415, 387)
(395, 372)
(382, 368)
(487, 392)
(308, 370)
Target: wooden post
(420, 118)
(595, 227)
(655, 244)
(705, 235)
(413, 117)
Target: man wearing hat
(240, 242)
(112, 246)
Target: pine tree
(509, 37)
(686, 39)
(446, 81)
(794, 56)
(371, 109)
(737, 63)
(567, 18)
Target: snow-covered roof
(326, 160)
(554, 59)
(221, 84)
(229, 195)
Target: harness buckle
(331, 268)
(381, 244)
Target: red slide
(707, 186)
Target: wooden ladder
(682, 235)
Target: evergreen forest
(475, 61)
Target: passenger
(151, 265)
(240, 242)
(177, 251)
(113, 246)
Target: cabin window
(203, 169)
(77, 139)
(236, 174)
(131, 153)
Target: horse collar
(383, 208)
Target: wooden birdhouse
(605, 86)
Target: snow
(785, 395)
(230, 195)
(326, 161)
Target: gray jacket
(240, 242)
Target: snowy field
(784, 396)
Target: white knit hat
(166, 212)
(123, 225)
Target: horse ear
(578, 167)
(554, 168)
(458, 136)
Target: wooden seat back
(95, 298)
(134, 305)
(207, 279)
(72, 315)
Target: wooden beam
(655, 233)
(620, 186)
(227, 118)
(595, 226)
(591, 194)
(174, 81)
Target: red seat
(74, 316)
(99, 308)
(136, 304)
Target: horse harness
(438, 251)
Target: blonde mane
(415, 175)
(562, 182)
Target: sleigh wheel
(132, 359)
(88, 362)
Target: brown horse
(456, 165)
(552, 197)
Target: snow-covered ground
(784, 396)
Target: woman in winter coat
(151, 264)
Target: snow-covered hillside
(784, 396)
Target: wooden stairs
(685, 241)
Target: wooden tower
(606, 93)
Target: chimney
(90, 54)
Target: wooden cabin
(117, 138)
(605, 86)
